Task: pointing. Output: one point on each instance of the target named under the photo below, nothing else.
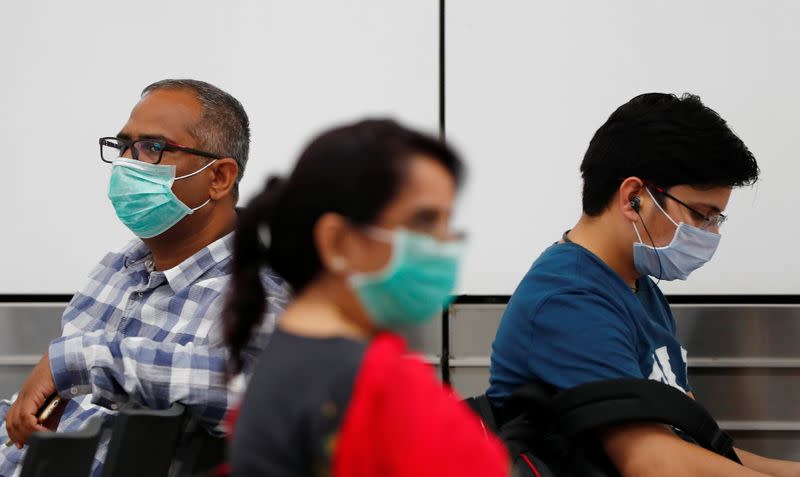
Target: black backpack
(552, 433)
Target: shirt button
(139, 294)
(114, 407)
(73, 390)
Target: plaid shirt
(150, 337)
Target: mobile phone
(45, 411)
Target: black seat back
(199, 452)
(143, 442)
(64, 454)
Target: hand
(773, 467)
(21, 417)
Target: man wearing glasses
(657, 177)
(146, 328)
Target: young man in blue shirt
(657, 177)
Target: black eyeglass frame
(715, 220)
(166, 145)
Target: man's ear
(226, 171)
(629, 198)
(331, 235)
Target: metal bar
(472, 362)
(431, 359)
(734, 305)
(782, 426)
(19, 360)
(744, 362)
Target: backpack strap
(535, 400)
(538, 409)
(606, 403)
(483, 408)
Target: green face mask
(417, 282)
(142, 196)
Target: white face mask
(690, 249)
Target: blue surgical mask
(415, 285)
(142, 196)
(690, 249)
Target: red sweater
(402, 422)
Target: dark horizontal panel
(34, 298)
(481, 299)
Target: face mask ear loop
(637, 232)
(190, 175)
(382, 235)
(200, 206)
(389, 237)
(198, 171)
(659, 207)
(655, 249)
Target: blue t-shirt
(574, 320)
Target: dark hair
(667, 141)
(354, 170)
(224, 128)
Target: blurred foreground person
(360, 230)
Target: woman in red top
(360, 230)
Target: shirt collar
(135, 252)
(188, 271)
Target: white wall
(528, 83)
(72, 71)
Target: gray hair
(224, 128)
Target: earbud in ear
(636, 203)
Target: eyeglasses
(145, 150)
(708, 221)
